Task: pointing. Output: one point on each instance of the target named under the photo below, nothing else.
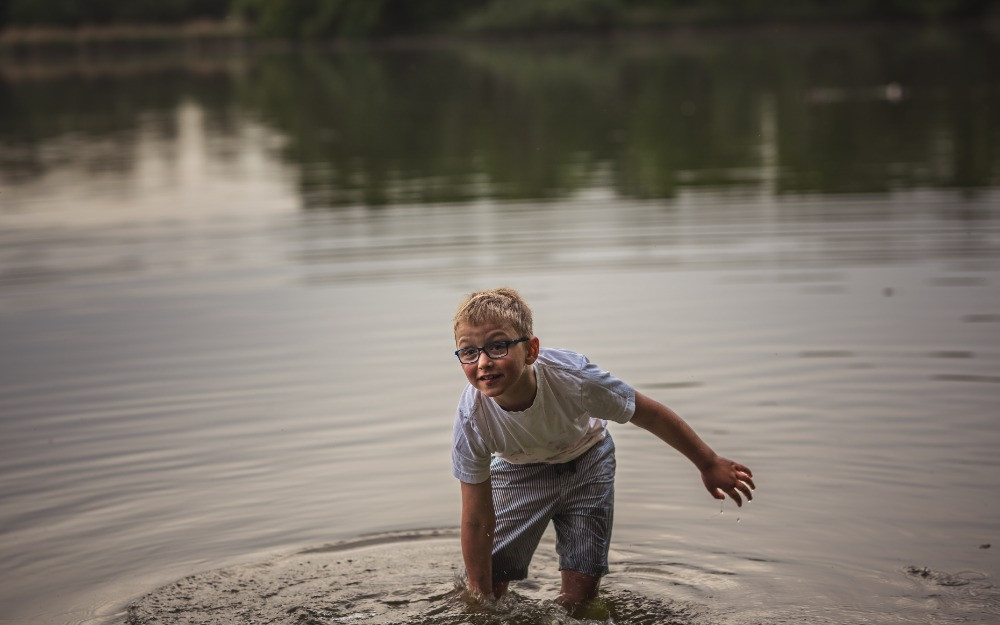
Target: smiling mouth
(490, 378)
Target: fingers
(734, 493)
(746, 489)
(736, 482)
(744, 479)
(735, 496)
(744, 484)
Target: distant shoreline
(236, 31)
(21, 36)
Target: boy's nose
(483, 355)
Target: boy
(530, 446)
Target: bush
(349, 18)
(80, 12)
(532, 15)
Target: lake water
(227, 278)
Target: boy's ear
(533, 347)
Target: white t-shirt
(573, 403)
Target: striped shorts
(578, 497)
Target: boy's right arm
(478, 525)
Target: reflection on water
(225, 285)
(859, 112)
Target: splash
(965, 596)
(412, 578)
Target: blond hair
(503, 306)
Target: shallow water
(392, 578)
(223, 353)
(415, 577)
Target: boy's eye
(496, 349)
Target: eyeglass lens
(493, 350)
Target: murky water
(226, 281)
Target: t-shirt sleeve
(470, 457)
(607, 397)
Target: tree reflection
(817, 112)
(869, 112)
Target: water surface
(226, 282)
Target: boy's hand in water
(725, 477)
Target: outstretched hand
(725, 477)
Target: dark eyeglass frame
(486, 348)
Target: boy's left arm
(719, 474)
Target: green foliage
(348, 18)
(531, 15)
(743, 10)
(370, 18)
(79, 12)
(292, 18)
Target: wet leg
(499, 589)
(577, 589)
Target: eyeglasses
(496, 349)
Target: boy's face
(509, 380)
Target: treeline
(367, 18)
(73, 13)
